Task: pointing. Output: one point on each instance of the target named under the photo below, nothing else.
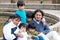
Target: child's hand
(19, 35)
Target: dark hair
(15, 16)
(32, 26)
(38, 10)
(22, 24)
(29, 14)
(20, 3)
(10, 17)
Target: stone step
(32, 6)
(8, 9)
(6, 13)
(49, 18)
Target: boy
(34, 35)
(22, 30)
(8, 30)
(21, 12)
(29, 16)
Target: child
(34, 34)
(8, 30)
(29, 16)
(22, 30)
(21, 12)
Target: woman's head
(38, 14)
(15, 19)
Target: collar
(20, 9)
(36, 21)
(12, 24)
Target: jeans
(38, 38)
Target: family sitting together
(28, 26)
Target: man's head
(31, 28)
(20, 4)
(15, 19)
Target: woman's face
(38, 16)
(16, 21)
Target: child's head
(22, 27)
(31, 28)
(15, 19)
(20, 4)
(29, 16)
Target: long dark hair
(38, 10)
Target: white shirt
(7, 31)
(25, 35)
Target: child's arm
(18, 34)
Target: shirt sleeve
(46, 29)
(17, 31)
(7, 33)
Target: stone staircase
(13, 6)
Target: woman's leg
(54, 35)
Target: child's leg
(36, 38)
(41, 38)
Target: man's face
(21, 7)
(16, 21)
(38, 16)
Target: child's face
(31, 30)
(16, 21)
(23, 29)
(29, 19)
(21, 7)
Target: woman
(42, 26)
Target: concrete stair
(13, 6)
